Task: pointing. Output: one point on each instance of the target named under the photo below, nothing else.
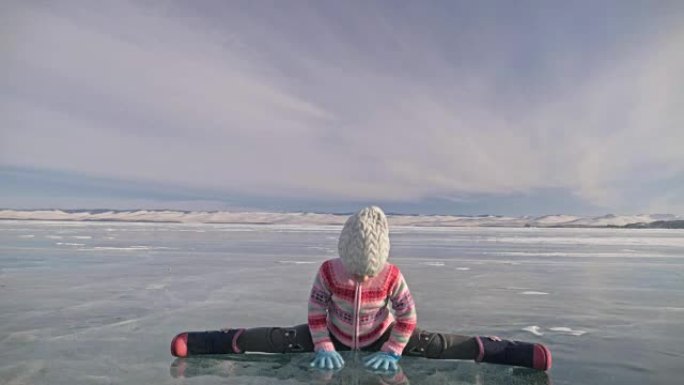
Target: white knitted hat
(364, 242)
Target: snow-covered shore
(168, 216)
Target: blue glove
(382, 361)
(327, 360)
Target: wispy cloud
(350, 100)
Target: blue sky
(524, 107)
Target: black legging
(422, 343)
(298, 339)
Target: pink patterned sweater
(358, 313)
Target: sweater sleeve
(318, 313)
(405, 314)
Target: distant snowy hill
(338, 219)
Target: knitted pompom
(364, 242)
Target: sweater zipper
(357, 310)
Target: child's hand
(327, 360)
(382, 361)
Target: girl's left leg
(442, 345)
(481, 349)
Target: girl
(349, 309)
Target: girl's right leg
(295, 339)
(235, 341)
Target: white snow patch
(129, 248)
(534, 329)
(327, 250)
(298, 262)
(567, 330)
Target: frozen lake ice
(98, 302)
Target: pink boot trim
(480, 355)
(237, 335)
(179, 345)
(541, 357)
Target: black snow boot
(208, 342)
(535, 356)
